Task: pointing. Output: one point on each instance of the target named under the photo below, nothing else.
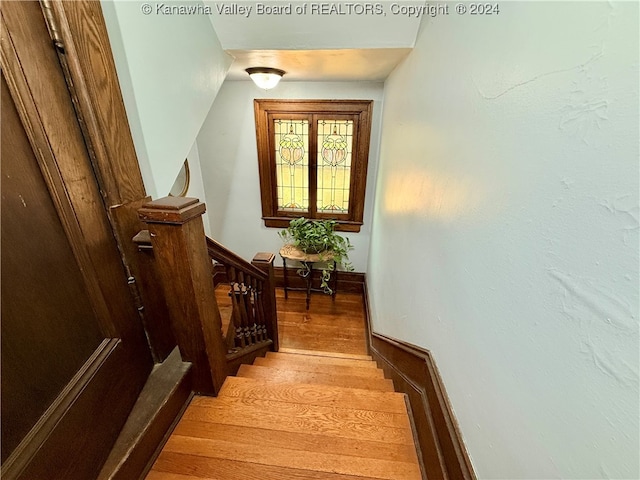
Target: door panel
(45, 306)
(74, 355)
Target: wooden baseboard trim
(167, 434)
(348, 282)
(416, 439)
(414, 373)
(159, 406)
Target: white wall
(196, 185)
(170, 68)
(228, 156)
(505, 234)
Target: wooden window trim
(361, 110)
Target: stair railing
(253, 311)
(182, 258)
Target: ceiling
(339, 46)
(320, 65)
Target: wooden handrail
(222, 254)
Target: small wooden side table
(293, 253)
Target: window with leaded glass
(313, 157)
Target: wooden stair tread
(311, 319)
(292, 376)
(322, 395)
(320, 368)
(319, 409)
(246, 436)
(170, 466)
(319, 353)
(319, 360)
(267, 454)
(274, 420)
(337, 413)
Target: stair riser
(320, 368)
(289, 376)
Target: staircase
(297, 415)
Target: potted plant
(319, 237)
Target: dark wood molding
(186, 388)
(39, 129)
(37, 85)
(30, 445)
(416, 438)
(283, 222)
(160, 405)
(80, 35)
(172, 210)
(414, 373)
(155, 313)
(53, 443)
(57, 64)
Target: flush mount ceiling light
(265, 77)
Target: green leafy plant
(319, 237)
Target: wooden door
(74, 355)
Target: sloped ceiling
(330, 42)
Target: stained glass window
(292, 164)
(335, 143)
(312, 160)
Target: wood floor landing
(331, 324)
(295, 416)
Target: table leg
(309, 268)
(286, 279)
(335, 280)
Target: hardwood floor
(318, 409)
(329, 325)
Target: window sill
(283, 222)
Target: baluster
(262, 331)
(249, 308)
(229, 273)
(236, 311)
(246, 324)
(264, 261)
(242, 295)
(255, 329)
(258, 310)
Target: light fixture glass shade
(264, 77)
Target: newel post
(180, 250)
(264, 261)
